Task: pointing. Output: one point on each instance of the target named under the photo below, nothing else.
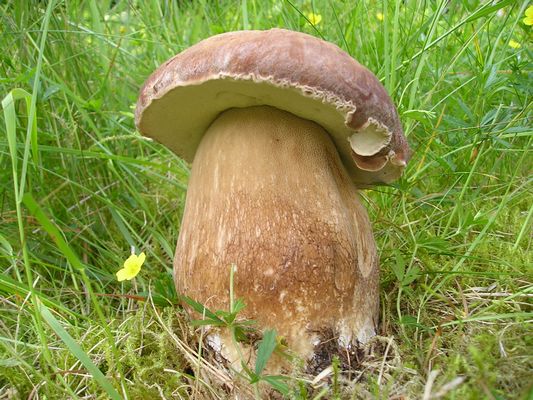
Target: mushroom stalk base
(268, 193)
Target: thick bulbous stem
(269, 194)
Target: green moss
(150, 356)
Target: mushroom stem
(268, 193)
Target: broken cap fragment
(292, 71)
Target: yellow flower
(514, 45)
(380, 16)
(528, 20)
(132, 266)
(314, 18)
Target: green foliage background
(454, 234)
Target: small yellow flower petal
(314, 18)
(528, 20)
(141, 258)
(514, 44)
(122, 275)
(131, 262)
(380, 16)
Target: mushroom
(282, 129)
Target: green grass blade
(277, 382)
(10, 121)
(202, 310)
(78, 352)
(265, 349)
(244, 8)
(36, 210)
(11, 286)
(31, 132)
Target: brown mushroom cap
(292, 71)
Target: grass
(79, 187)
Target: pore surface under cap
(292, 71)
